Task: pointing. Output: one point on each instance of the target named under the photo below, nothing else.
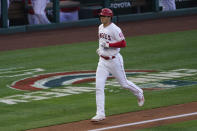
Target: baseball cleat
(141, 101)
(98, 118)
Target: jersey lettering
(105, 36)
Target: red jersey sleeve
(119, 44)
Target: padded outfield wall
(124, 10)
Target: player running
(111, 39)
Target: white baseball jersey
(112, 34)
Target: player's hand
(105, 44)
(98, 52)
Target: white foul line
(143, 122)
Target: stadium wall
(94, 21)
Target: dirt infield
(134, 120)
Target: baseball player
(168, 5)
(111, 39)
(39, 10)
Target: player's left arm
(119, 37)
(119, 44)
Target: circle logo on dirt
(147, 79)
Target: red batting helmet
(106, 12)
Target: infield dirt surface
(84, 34)
(133, 117)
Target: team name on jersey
(105, 36)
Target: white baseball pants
(39, 10)
(32, 19)
(116, 68)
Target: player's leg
(172, 5)
(32, 19)
(43, 17)
(37, 10)
(165, 5)
(168, 4)
(101, 76)
(118, 72)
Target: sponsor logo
(125, 4)
(70, 83)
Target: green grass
(160, 52)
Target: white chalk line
(143, 122)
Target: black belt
(107, 57)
